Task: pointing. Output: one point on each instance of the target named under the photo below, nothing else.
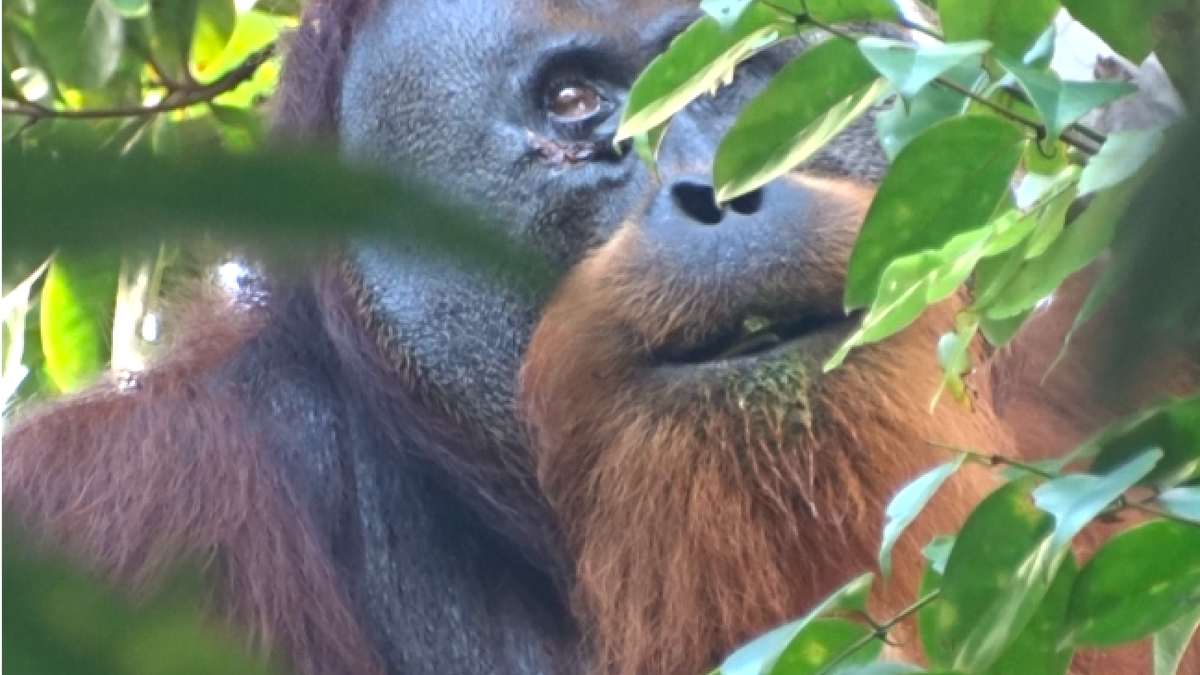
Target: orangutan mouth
(756, 335)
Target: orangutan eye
(574, 102)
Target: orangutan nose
(697, 200)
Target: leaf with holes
(808, 102)
(1013, 27)
(1062, 103)
(80, 41)
(1141, 581)
(697, 61)
(907, 505)
(910, 66)
(933, 192)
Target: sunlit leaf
(697, 61)
(909, 66)
(933, 192)
(900, 124)
(1062, 103)
(907, 505)
(808, 102)
(78, 299)
(1141, 581)
(820, 642)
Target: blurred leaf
(759, 656)
(697, 61)
(808, 102)
(1013, 27)
(1128, 27)
(954, 356)
(1171, 643)
(647, 145)
(61, 621)
(1036, 651)
(299, 199)
(1051, 217)
(933, 192)
(1172, 426)
(1000, 332)
(1121, 156)
(215, 21)
(999, 571)
(907, 505)
(1182, 501)
(81, 40)
(1060, 103)
(1076, 500)
(13, 311)
(937, 552)
(132, 9)
(909, 66)
(253, 32)
(1141, 581)
(77, 309)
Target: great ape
(402, 465)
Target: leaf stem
(182, 97)
(994, 460)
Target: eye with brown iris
(574, 101)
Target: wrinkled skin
(404, 465)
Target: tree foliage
(113, 107)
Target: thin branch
(181, 98)
(994, 460)
(879, 632)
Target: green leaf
(808, 102)
(1013, 27)
(1000, 332)
(132, 9)
(697, 61)
(1077, 499)
(647, 145)
(1051, 218)
(78, 300)
(937, 552)
(1128, 27)
(1171, 643)
(1182, 501)
(900, 124)
(825, 11)
(1060, 103)
(215, 22)
(1172, 426)
(80, 40)
(820, 642)
(933, 192)
(1078, 246)
(907, 505)
(1036, 651)
(954, 356)
(1119, 159)
(910, 66)
(1141, 581)
(999, 571)
(759, 655)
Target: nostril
(748, 204)
(698, 201)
